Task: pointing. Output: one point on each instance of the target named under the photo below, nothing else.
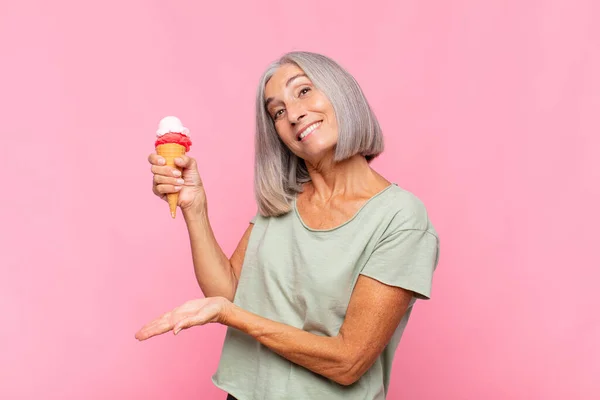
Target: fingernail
(180, 181)
(177, 187)
(176, 172)
(161, 161)
(177, 331)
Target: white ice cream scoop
(171, 124)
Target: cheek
(330, 115)
(324, 105)
(321, 103)
(284, 132)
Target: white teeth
(309, 130)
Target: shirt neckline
(346, 222)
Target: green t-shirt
(304, 278)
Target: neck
(346, 178)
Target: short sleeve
(407, 259)
(255, 217)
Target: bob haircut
(279, 173)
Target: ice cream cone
(170, 151)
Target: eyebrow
(270, 99)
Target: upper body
(322, 283)
(304, 277)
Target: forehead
(280, 78)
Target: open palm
(191, 313)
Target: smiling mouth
(310, 129)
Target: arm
(374, 312)
(216, 274)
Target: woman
(320, 288)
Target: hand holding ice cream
(178, 182)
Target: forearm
(326, 356)
(212, 267)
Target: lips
(310, 127)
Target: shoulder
(407, 211)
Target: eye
(303, 91)
(278, 113)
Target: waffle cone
(170, 151)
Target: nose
(295, 113)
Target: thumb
(185, 162)
(183, 324)
(198, 319)
(203, 316)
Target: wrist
(195, 214)
(227, 315)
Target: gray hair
(279, 173)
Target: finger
(156, 192)
(165, 171)
(167, 180)
(188, 323)
(185, 162)
(202, 317)
(166, 189)
(183, 324)
(155, 159)
(154, 328)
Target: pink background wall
(490, 110)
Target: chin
(319, 155)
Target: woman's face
(303, 116)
